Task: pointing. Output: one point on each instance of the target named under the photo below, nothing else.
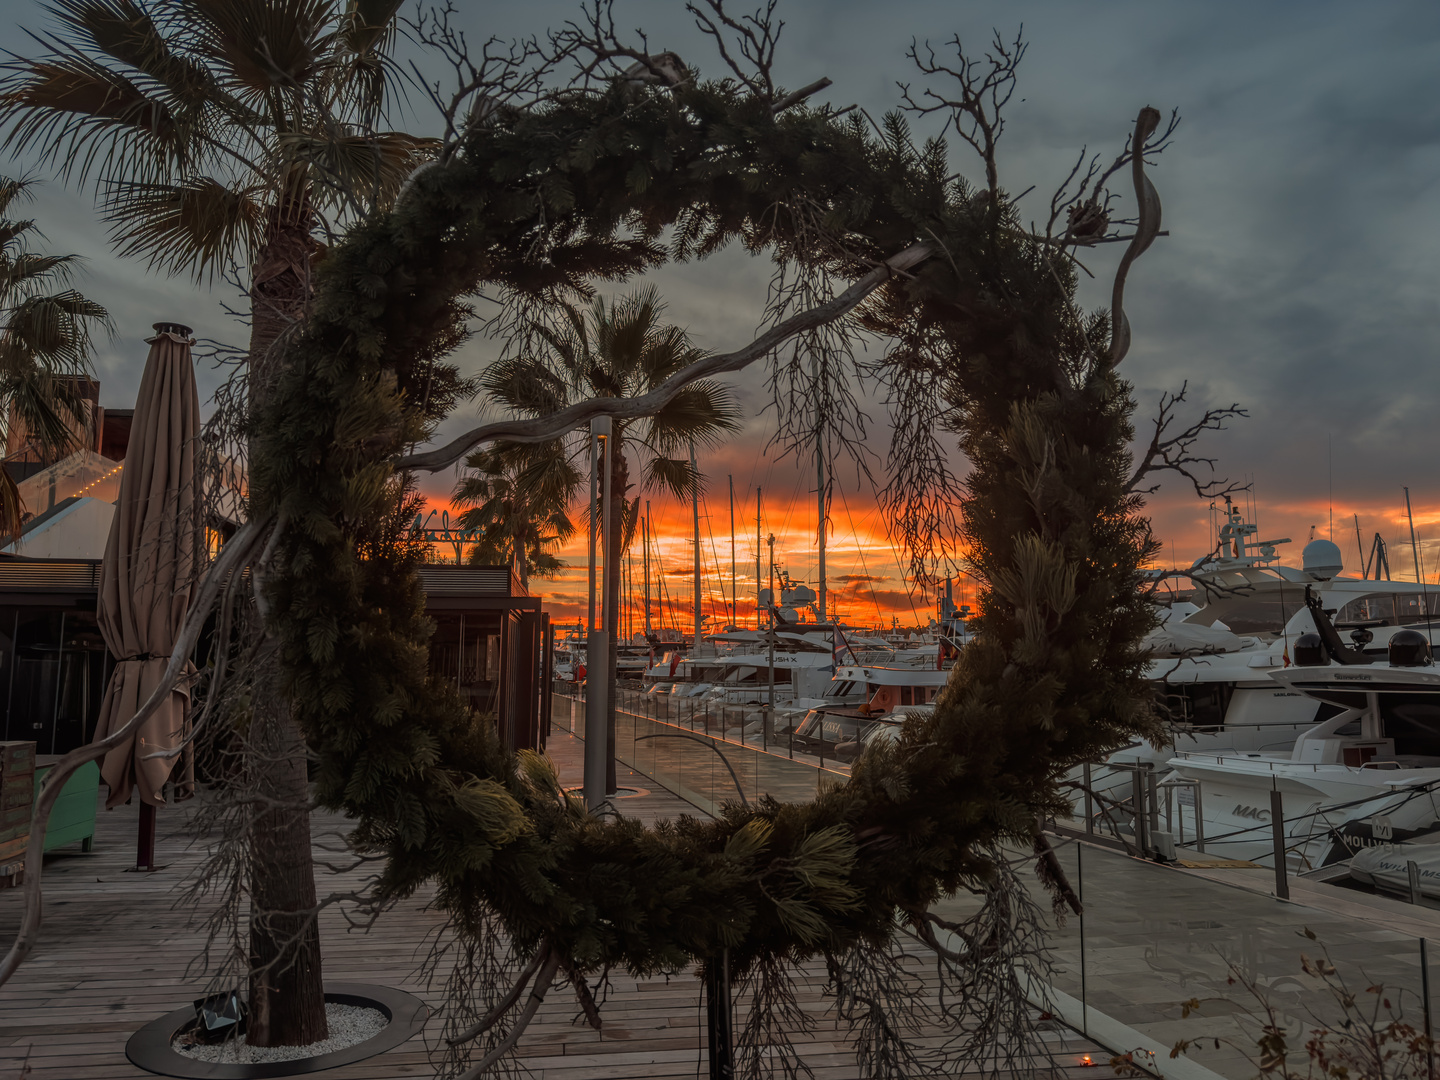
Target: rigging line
(715, 556)
(860, 550)
(660, 574)
(895, 552)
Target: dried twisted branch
(544, 428)
(541, 986)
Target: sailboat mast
(645, 539)
(758, 493)
(695, 507)
(1360, 547)
(1414, 547)
(820, 491)
(732, 549)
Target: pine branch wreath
(544, 202)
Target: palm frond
(372, 167)
(45, 405)
(192, 226)
(703, 412)
(673, 474)
(13, 189)
(71, 109)
(526, 386)
(262, 46)
(125, 31)
(12, 506)
(23, 273)
(369, 25)
(52, 331)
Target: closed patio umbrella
(146, 580)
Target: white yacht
(1212, 662)
(1365, 774)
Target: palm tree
(517, 497)
(621, 349)
(220, 134)
(45, 343)
(217, 131)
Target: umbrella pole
(145, 845)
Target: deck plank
(116, 945)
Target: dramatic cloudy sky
(1298, 279)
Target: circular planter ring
(149, 1048)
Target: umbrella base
(150, 1049)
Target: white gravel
(349, 1024)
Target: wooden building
(491, 637)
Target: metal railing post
(1277, 826)
(1137, 799)
(1199, 821)
(1151, 780)
(1425, 1000)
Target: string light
(100, 479)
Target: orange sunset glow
(868, 583)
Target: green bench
(74, 815)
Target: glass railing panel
(1158, 944)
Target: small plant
(1365, 1036)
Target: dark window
(465, 650)
(1413, 721)
(1200, 704)
(53, 667)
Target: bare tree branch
(1175, 452)
(984, 87)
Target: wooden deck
(115, 949)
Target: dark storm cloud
(1299, 276)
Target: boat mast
(645, 539)
(1360, 547)
(820, 491)
(733, 600)
(758, 542)
(695, 507)
(1414, 547)
(770, 718)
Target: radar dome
(1321, 560)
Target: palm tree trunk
(614, 558)
(517, 556)
(287, 991)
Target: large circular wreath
(534, 201)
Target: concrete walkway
(1154, 937)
